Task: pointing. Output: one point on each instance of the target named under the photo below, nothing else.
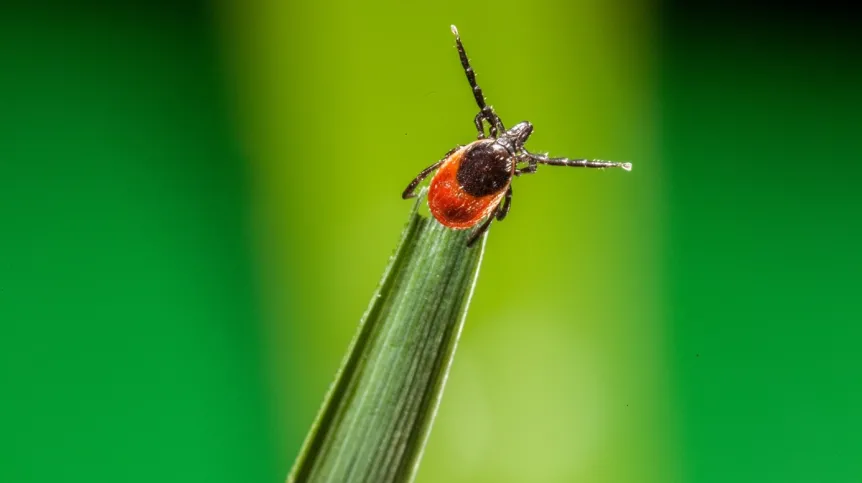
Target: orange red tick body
(474, 182)
(470, 184)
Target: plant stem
(377, 416)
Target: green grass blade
(377, 416)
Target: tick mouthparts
(626, 166)
(454, 30)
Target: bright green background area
(196, 202)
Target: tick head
(519, 133)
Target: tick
(473, 183)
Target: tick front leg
(577, 163)
(531, 166)
(495, 125)
(480, 126)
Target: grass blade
(378, 413)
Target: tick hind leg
(503, 207)
(498, 213)
(477, 233)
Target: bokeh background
(197, 200)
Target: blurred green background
(197, 200)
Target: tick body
(473, 183)
(470, 183)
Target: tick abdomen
(450, 203)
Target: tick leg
(503, 208)
(577, 163)
(480, 127)
(478, 232)
(495, 125)
(495, 122)
(486, 112)
(531, 166)
(526, 170)
(482, 229)
(409, 192)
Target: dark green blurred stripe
(799, 19)
(762, 134)
(129, 335)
